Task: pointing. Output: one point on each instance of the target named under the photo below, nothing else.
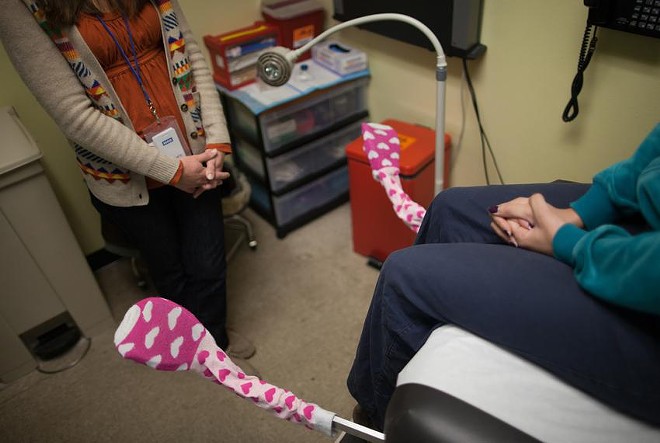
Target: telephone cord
(587, 50)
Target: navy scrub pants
(460, 272)
(181, 240)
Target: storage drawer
(307, 198)
(295, 166)
(249, 157)
(302, 204)
(260, 199)
(277, 127)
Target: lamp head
(275, 65)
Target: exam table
(461, 388)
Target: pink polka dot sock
(165, 336)
(383, 149)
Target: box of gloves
(339, 57)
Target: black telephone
(636, 16)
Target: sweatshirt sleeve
(614, 193)
(608, 261)
(613, 265)
(215, 125)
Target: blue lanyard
(135, 70)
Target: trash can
(377, 231)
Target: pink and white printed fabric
(383, 149)
(165, 336)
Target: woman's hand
(548, 221)
(196, 172)
(515, 212)
(531, 222)
(214, 173)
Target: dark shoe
(246, 367)
(239, 346)
(360, 417)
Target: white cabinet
(43, 273)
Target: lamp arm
(441, 60)
(440, 75)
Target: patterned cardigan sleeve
(213, 117)
(51, 80)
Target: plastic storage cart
(293, 153)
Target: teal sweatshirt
(610, 263)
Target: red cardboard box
(234, 54)
(377, 231)
(299, 21)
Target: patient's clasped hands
(531, 223)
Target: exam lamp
(275, 66)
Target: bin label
(406, 140)
(302, 35)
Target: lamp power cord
(485, 143)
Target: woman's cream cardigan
(113, 158)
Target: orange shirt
(146, 31)
(145, 28)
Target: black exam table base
(420, 414)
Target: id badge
(166, 136)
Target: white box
(339, 57)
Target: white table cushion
(517, 392)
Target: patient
(566, 277)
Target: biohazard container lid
(417, 146)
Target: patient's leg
(526, 302)
(461, 214)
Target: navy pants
(460, 272)
(181, 240)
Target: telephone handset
(636, 16)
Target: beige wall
(522, 85)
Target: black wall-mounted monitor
(456, 23)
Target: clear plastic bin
(249, 157)
(260, 199)
(307, 198)
(288, 123)
(295, 166)
(300, 204)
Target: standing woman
(112, 74)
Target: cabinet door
(15, 360)
(26, 299)
(34, 214)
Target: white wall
(522, 85)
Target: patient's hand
(515, 212)
(548, 221)
(531, 222)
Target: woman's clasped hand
(531, 222)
